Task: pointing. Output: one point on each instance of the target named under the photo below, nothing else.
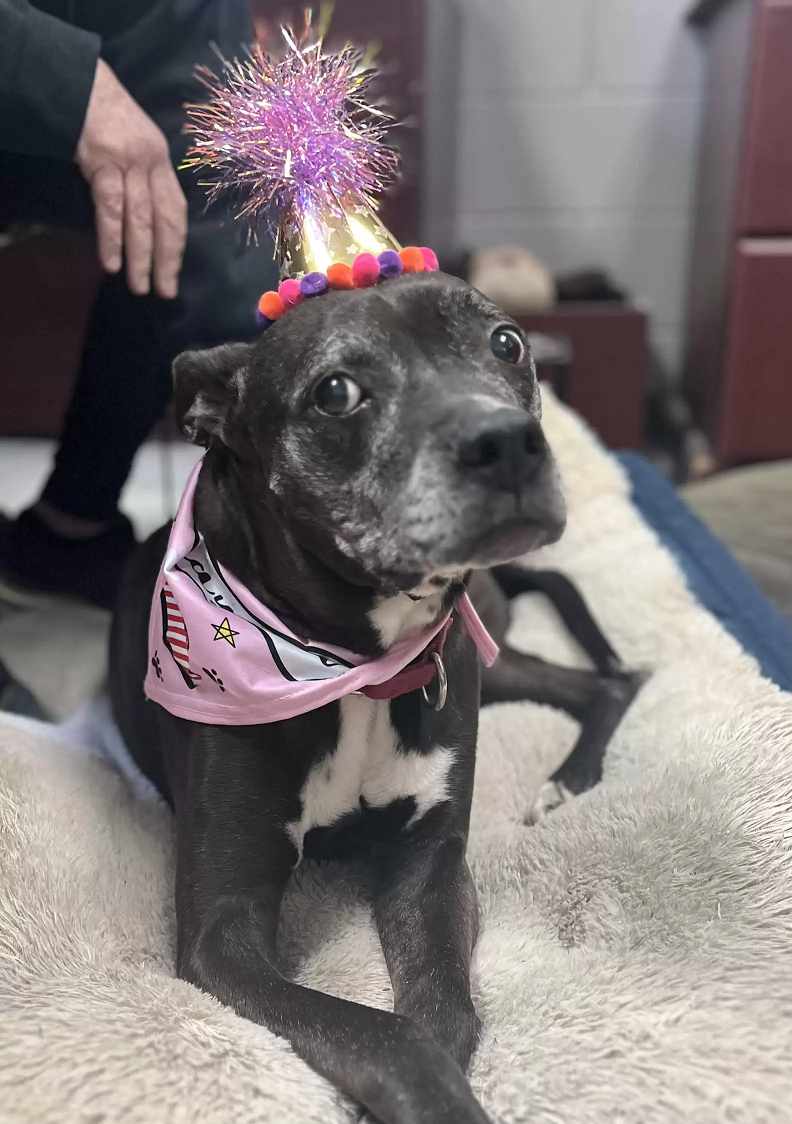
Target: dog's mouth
(508, 541)
(459, 534)
(512, 538)
(505, 541)
(502, 532)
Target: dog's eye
(507, 345)
(338, 395)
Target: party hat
(297, 144)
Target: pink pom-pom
(430, 259)
(289, 293)
(365, 271)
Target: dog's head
(397, 427)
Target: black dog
(365, 455)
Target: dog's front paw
(551, 795)
(450, 1023)
(421, 1084)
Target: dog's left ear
(207, 387)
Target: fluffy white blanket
(635, 960)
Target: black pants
(124, 382)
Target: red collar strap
(418, 674)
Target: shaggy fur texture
(635, 960)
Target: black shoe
(37, 566)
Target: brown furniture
(47, 285)
(606, 380)
(738, 371)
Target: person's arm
(46, 74)
(59, 99)
(140, 207)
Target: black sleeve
(46, 74)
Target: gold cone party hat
(297, 143)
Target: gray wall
(570, 127)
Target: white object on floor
(634, 956)
(149, 499)
(59, 653)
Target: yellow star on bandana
(224, 631)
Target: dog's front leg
(234, 858)
(427, 918)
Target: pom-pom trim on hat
(289, 293)
(365, 270)
(340, 276)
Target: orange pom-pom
(339, 276)
(271, 306)
(412, 259)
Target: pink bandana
(218, 655)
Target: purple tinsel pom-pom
(292, 134)
(313, 284)
(390, 264)
(262, 320)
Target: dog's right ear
(207, 386)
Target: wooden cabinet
(606, 380)
(765, 194)
(756, 397)
(48, 283)
(738, 372)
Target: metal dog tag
(442, 685)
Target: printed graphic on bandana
(296, 662)
(175, 638)
(224, 631)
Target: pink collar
(218, 655)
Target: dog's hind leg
(597, 702)
(583, 768)
(596, 699)
(571, 607)
(518, 677)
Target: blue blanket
(713, 575)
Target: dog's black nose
(503, 449)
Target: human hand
(139, 203)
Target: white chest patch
(367, 763)
(400, 617)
